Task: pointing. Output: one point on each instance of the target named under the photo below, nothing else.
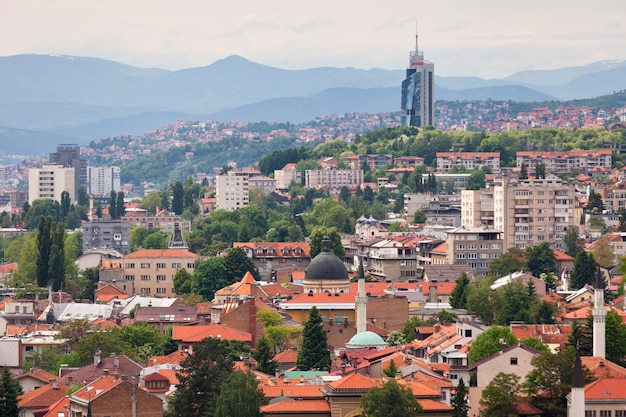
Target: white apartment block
(469, 160)
(50, 181)
(333, 178)
(284, 177)
(267, 184)
(474, 246)
(564, 162)
(477, 208)
(533, 211)
(103, 180)
(232, 190)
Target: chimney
(105, 372)
(54, 383)
(116, 362)
(432, 294)
(96, 358)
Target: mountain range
(50, 99)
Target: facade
(103, 180)
(267, 256)
(477, 208)
(418, 91)
(468, 160)
(152, 270)
(284, 177)
(333, 178)
(450, 183)
(232, 190)
(533, 211)
(474, 246)
(49, 181)
(164, 221)
(389, 260)
(106, 234)
(266, 184)
(584, 161)
(68, 156)
(374, 161)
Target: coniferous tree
(458, 298)
(584, 271)
(120, 209)
(523, 174)
(82, 199)
(458, 401)
(10, 390)
(113, 204)
(573, 243)
(65, 204)
(44, 245)
(313, 353)
(56, 265)
(264, 357)
(240, 396)
(178, 194)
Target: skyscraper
(68, 155)
(418, 88)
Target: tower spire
(416, 37)
(599, 317)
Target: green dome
(365, 339)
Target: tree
(106, 342)
(584, 271)
(483, 301)
(523, 173)
(541, 259)
(615, 331)
(10, 390)
(183, 282)
(113, 204)
(56, 264)
(313, 353)
(200, 380)
(44, 246)
(476, 180)
(458, 400)
(419, 217)
(602, 251)
(540, 170)
(391, 370)
(318, 234)
(264, 357)
(500, 396)
(120, 208)
(240, 396)
(458, 298)
(65, 204)
(396, 338)
(237, 263)
(209, 276)
(491, 341)
(410, 326)
(390, 400)
(83, 198)
(574, 244)
(595, 203)
(178, 194)
(512, 260)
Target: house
(34, 379)
(102, 366)
(186, 336)
(267, 256)
(163, 318)
(114, 396)
(38, 401)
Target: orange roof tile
(353, 382)
(429, 405)
(39, 374)
(174, 358)
(293, 391)
(59, 408)
(196, 333)
(286, 356)
(97, 387)
(300, 407)
(606, 389)
(603, 368)
(43, 396)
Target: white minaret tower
(361, 302)
(577, 402)
(599, 318)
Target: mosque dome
(366, 339)
(326, 266)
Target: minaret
(577, 402)
(599, 317)
(361, 302)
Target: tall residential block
(68, 155)
(103, 180)
(418, 90)
(333, 178)
(50, 181)
(232, 190)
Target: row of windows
(146, 277)
(175, 265)
(158, 290)
(605, 413)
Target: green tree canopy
(313, 353)
(240, 396)
(209, 276)
(491, 341)
(390, 400)
(541, 259)
(500, 396)
(458, 298)
(318, 234)
(10, 390)
(265, 357)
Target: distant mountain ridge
(78, 99)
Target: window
(513, 361)
(160, 277)
(29, 348)
(590, 413)
(161, 290)
(605, 413)
(145, 277)
(454, 376)
(130, 266)
(468, 332)
(191, 265)
(129, 277)
(145, 266)
(620, 413)
(176, 265)
(160, 265)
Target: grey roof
(326, 266)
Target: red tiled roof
(59, 408)
(42, 397)
(192, 334)
(606, 389)
(353, 382)
(603, 368)
(174, 358)
(300, 407)
(293, 391)
(429, 405)
(39, 374)
(286, 356)
(97, 387)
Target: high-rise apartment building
(232, 190)
(103, 180)
(50, 181)
(418, 90)
(474, 246)
(333, 178)
(68, 155)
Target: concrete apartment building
(565, 162)
(103, 180)
(68, 156)
(261, 182)
(152, 270)
(374, 161)
(333, 178)
(232, 190)
(474, 246)
(164, 220)
(388, 260)
(109, 234)
(477, 208)
(285, 176)
(50, 181)
(469, 160)
(532, 211)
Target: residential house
(268, 256)
(164, 318)
(101, 366)
(38, 401)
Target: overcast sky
(486, 38)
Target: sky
(484, 38)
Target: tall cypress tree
(265, 359)
(10, 389)
(458, 298)
(44, 245)
(314, 353)
(113, 204)
(178, 194)
(56, 265)
(458, 401)
(120, 209)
